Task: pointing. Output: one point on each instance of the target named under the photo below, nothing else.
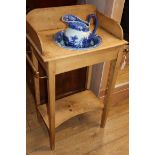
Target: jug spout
(75, 23)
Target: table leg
(89, 75)
(51, 102)
(36, 84)
(114, 67)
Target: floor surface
(80, 135)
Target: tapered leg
(51, 102)
(89, 75)
(36, 84)
(114, 67)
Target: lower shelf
(71, 106)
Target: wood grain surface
(53, 52)
(71, 106)
(80, 135)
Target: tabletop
(53, 52)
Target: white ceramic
(78, 34)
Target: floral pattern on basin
(86, 45)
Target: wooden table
(42, 24)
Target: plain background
(13, 77)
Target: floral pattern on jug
(77, 35)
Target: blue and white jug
(77, 34)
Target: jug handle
(95, 19)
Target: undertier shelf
(71, 106)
